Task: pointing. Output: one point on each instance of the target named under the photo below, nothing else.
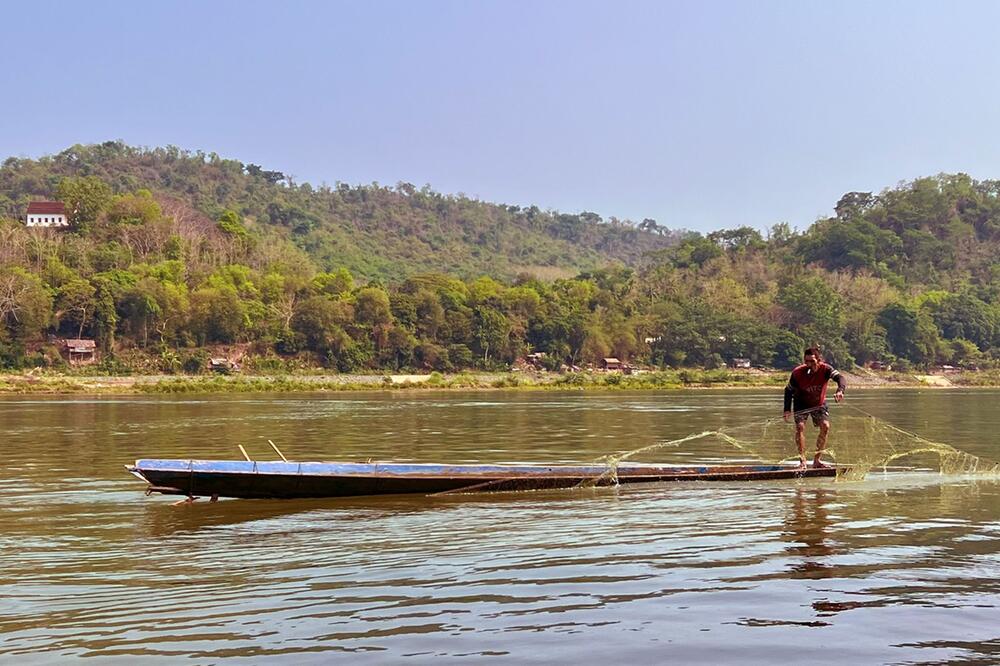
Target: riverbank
(63, 383)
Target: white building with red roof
(47, 214)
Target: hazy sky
(703, 115)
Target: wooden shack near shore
(80, 351)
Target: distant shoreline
(73, 384)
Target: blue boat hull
(222, 478)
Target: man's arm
(841, 384)
(789, 392)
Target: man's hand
(788, 416)
(839, 396)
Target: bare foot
(819, 464)
(802, 463)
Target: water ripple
(890, 570)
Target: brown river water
(900, 568)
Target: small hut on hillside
(611, 364)
(80, 352)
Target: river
(898, 568)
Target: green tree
(110, 287)
(336, 283)
(319, 321)
(694, 251)
(963, 316)
(25, 305)
(371, 307)
(429, 313)
(595, 345)
(432, 356)
(854, 204)
(490, 331)
(909, 333)
(157, 306)
(134, 209)
(86, 198)
(738, 240)
(400, 347)
(231, 225)
(75, 304)
(788, 349)
(964, 353)
(838, 244)
(218, 314)
(811, 306)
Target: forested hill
(374, 231)
(172, 252)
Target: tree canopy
(172, 250)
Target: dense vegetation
(373, 231)
(172, 251)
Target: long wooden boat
(282, 479)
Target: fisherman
(806, 389)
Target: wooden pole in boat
(276, 450)
(244, 452)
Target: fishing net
(859, 442)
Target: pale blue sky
(703, 115)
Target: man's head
(812, 357)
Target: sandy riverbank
(54, 383)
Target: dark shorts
(818, 414)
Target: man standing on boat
(806, 390)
